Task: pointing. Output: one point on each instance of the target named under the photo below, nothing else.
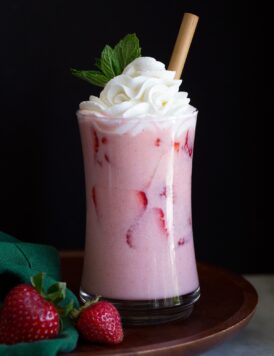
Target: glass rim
(149, 118)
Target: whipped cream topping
(144, 89)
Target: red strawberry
(27, 316)
(100, 322)
(29, 312)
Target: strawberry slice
(93, 194)
(157, 142)
(162, 221)
(181, 241)
(187, 146)
(168, 193)
(94, 199)
(142, 198)
(164, 192)
(152, 221)
(185, 239)
(177, 146)
(95, 142)
(129, 236)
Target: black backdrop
(42, 182)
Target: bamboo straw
(182, 44)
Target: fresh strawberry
(99, 321)
(27, 316)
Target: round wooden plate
(226, 305)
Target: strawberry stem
(74, 313)
(56, 293)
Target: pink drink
(139, 243)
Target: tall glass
(139, 251)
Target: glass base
(154, 311)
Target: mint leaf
(92, 76)
(112, 61)
(127, 50)
(108, 62)
(98, 63)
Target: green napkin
(18, 262)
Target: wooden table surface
(226, 305)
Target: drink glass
(139, 251)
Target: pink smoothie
(139, 242)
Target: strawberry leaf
(66, 310)
(61, 323)
(56, 292)
(74, 313)
(37, 282)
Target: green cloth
(18, 262)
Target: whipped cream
(145, 89)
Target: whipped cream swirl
(144, 89)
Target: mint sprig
(92, 76)
(112, 61)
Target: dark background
(42, 182)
